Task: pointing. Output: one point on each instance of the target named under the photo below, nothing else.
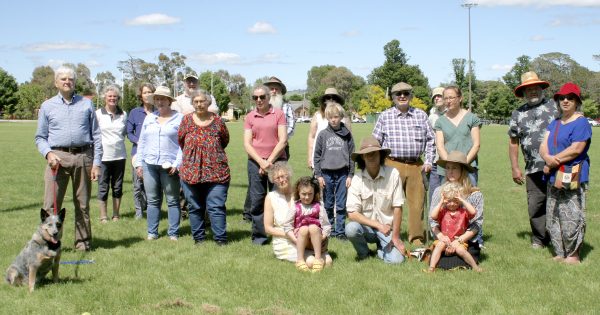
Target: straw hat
(368, 145)
(162, 91)
(528, 79)
(568, 88)
(456, 157)
(333, 93)
(276, 81)
(437, 91)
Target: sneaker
(151, 237)
(221, 243)
(173, 238)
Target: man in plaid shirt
(406, 131)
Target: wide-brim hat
(437, 91)
(276, 81)
(161, 91)
(368, 145)
(332, 92)
(528, 79)
(568, 88)
(402, 86)
(456, 157)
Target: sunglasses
(567, 97)
(402, 93)
(256, 97)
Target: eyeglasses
(256, 97)
(566, 97)
(450, 98)
(200, 101)
(402, 93)
(329, 98)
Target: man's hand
(385, 229)
(517, 176)
(399, 245)
(321, 182)
(53, 160)
(95, 173)
(426, 168)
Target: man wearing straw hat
(69, 137)
(526, 128)
(406, 131)
(374, 204)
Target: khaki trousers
(76, 167)
(414, 194)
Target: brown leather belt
(405, 161)
(72, 150)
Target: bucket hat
(437, 91)
(162, 91)
(528, 79)
(276, 81)
(368, 145)
(456, 157)
(333, 93)
(568, 88)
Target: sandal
(104, 220)
(317, 266)
(301, 265)
(116, 218)
(429, 270)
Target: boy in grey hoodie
(334, 168)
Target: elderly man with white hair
(68, 136)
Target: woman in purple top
(565, 146)
(135, 120)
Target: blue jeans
(361, 235)
(139, 194)
(211, 198)
(156, 181)
(334, 195)
(435, 181)
(258, 186)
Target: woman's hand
(172, 170)
(139, 171)
(546, 169)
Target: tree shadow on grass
(586, 248)
(238, 235)
(23, 207)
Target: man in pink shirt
(265, 138)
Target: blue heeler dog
(41, 254)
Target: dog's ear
(44, 214)
(62, 214)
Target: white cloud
(262, 28)
(352, 33)
(269, 57)
(39, 47)
(538, 3)
(217, 58)
(539, 38)
(55, 63)
(92, 63)
(153, 19)
(497, 67)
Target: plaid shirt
(409, 135)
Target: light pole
(469, 6)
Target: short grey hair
(109, 88)
(64, 70)
(198, 92)
(265, 89)
(277, 167)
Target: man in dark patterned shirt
(406, 131)
(526, 128)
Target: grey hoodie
(333, 149)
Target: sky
(287, 38)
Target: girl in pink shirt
(453, 214)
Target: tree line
(493, 100)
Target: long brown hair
(307, 181)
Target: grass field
(133, 276)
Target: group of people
(179, 148)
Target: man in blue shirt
(68, 136)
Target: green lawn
(133, 276)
